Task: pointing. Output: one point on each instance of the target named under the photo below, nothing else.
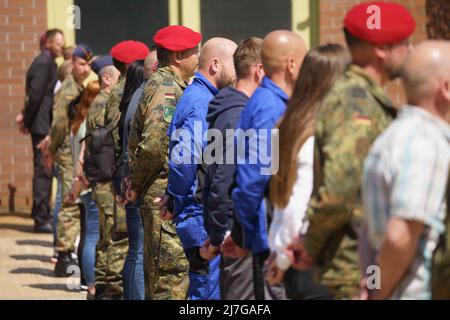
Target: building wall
(21, 24)
(331, 16)
(23, 21)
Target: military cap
(129, 51)
(83, 51)
(380, 22)
(101, 62)
(177, 38)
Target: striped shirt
(405, 176)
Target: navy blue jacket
(263, 111)
(223, 114)
(40, 85)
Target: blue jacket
(190, 118)
(263, 111)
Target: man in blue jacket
(282, 56)
(224, 112)
(186, 175)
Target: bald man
(405, 177)
(282, 56)
(186, 177)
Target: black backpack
(100, 163)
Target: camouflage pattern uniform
(165, 264)
(112, 117)
(348, 121)
(112, 245)
(69, 216)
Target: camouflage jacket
(148, 144)
(350, 118)
(60, 137)
(112, 112)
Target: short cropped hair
(51, 33)
(247, 53)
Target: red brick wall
(332, 13)
(21, 24)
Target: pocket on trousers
(120, 218)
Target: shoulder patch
(170, 96)
(168, 112)
(362, 120)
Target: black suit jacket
(40, 84)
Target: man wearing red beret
(352, 116)
(166, 267)
(113, 245)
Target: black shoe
(66, 265)
(43, 227)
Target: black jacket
(223, 113)
(40, 84)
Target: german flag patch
(170, 96)
(363, 120)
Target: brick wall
(331, 16)
(21, 23)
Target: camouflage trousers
(112, 246)
(69, 215)
(165, 265)
(343, 276)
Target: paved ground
(26, 272)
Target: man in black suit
(36, 119)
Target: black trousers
(300, 285)
(42, 185)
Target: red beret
(177, 38)
(395, 22)
(129, 51)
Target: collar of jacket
(201, 80)
(79, 87)
(272, 86)
(375, 89)
(168, 70)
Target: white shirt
(289, 222)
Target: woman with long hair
(291, 187)
(80, 193)
(133, 270)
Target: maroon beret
(129, 51)
(380, 22)
(177, 38)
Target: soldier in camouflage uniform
(106, 284)
(165, 264)
(351, 117)
(113, 245)
(60, 151)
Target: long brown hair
(82, 107)
(320, 69)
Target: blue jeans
(58, 203)
(133, 270)
(91, 238)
